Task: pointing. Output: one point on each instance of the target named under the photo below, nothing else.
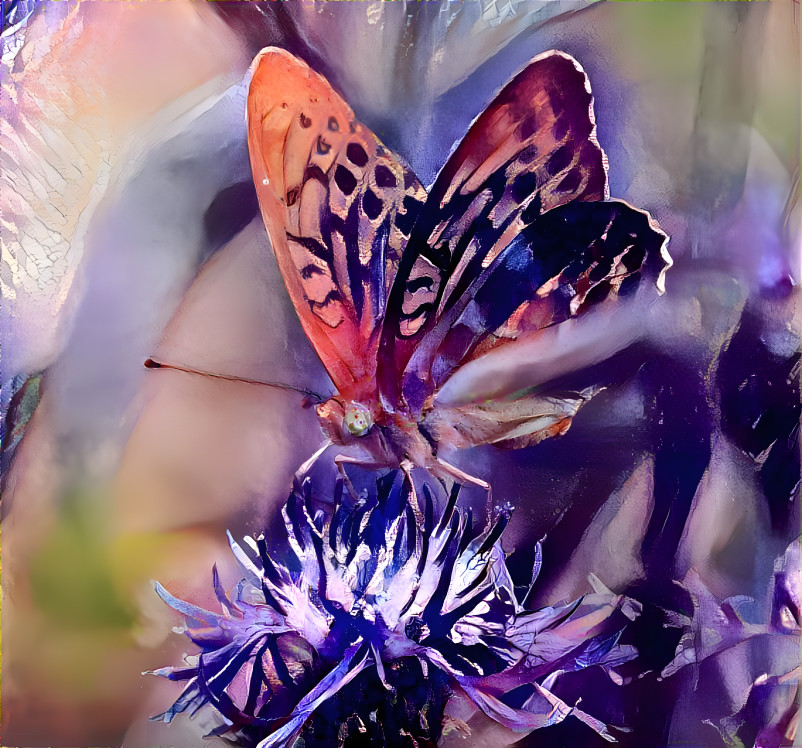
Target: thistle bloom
(375, 617)
(757, 644)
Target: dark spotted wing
(332, 197)
(563, 263)
(559, 265)
(533, 148)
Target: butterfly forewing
(337, 205)
(533, 148)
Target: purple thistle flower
(757, 643)
(379, 616)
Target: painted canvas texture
(392, 373)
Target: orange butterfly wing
(335, 202)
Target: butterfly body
(400, 290)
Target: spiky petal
(374, 616)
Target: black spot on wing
(570, 182)
(309, 270)
(313, 171)
(528, 127)
(356, 154)
(356, 272)
(371, 204)
(418, 311)
(533, 209)
(597, 294)
(560, 159)
(405, 220)
(384, 177)
(333, 295)
(560, 128)
(558, 104)
(600, 270)
(344, 179)
(376, 269)
(322, 147)
(415, 284)
(633, 259)
(524, 186)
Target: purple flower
(376, 616)
(752, 648)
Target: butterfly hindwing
(534, 148)
(335, 203)
(514, 423)
(558, 266)
(568, 260)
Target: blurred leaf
(71, 579)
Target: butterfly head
(357, 419)
(343, 419)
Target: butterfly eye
(357, 419)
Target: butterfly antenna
(153, 363)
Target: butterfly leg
(340, 461)
(406, 468)
(459, 475)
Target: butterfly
(401, 290)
